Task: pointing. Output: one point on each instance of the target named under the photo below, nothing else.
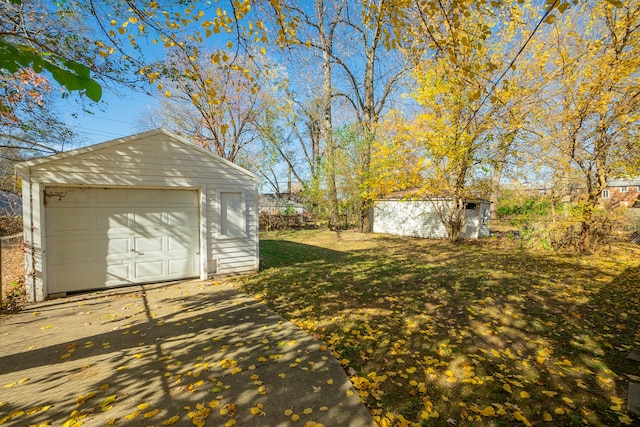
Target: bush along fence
(274, 222)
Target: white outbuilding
(151, 207)
(420, 218)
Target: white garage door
(102, 237)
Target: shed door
(102, 237)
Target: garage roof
(125, 140)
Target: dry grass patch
(475, 333)
(12, 259)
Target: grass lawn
(475, 333)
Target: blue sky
(117, 115)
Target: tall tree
(594, 121)
(218, 106)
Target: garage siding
(155, 159)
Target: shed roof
(417, 195)
(127, 140)
(623, 182)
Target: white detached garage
(146, 208)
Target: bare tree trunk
(326, 124)
(501, 158)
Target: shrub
(10, 224)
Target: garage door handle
(136, 252)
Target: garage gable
(146, 208)
(153, 154)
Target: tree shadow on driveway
(179, 353)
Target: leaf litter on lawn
(470, 333)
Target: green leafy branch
(69, 74)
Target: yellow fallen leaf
(567, 400)
(625, 419)
(307, 411)
(524, 395)
(255, 410)
(330, 381)
(295, 417)
(143, 406)
(324, 408)
(288, 413)
(559, 411)
(214, 403)
(107, 401)
(547, 417)
(151, 414)
(549, 393)
(171, 420)
(489, 411)
(616, 400)
(507, 388)
(113, 421)
(518, 416)
(230, 423)
(132, 415)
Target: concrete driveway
(189, 353)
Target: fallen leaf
(518, 416)
(152, 413)
(171, 420)
(625, 419)
(107, 401)
(489, 411)
(132, 415)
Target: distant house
(420, 218)
(279, 204)
(622, 192)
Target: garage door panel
(149, 244)
(111, 196)
(72, 220)
(67, 196)
(73, 251)
(144, 197)
(178, 244)
(66, 275)
(149, 270)
(107, 237)
(116, 245)
(148, 220)
(184, 218)
(118, 274)
(177, 265)
(111, 220)
(182, 198)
